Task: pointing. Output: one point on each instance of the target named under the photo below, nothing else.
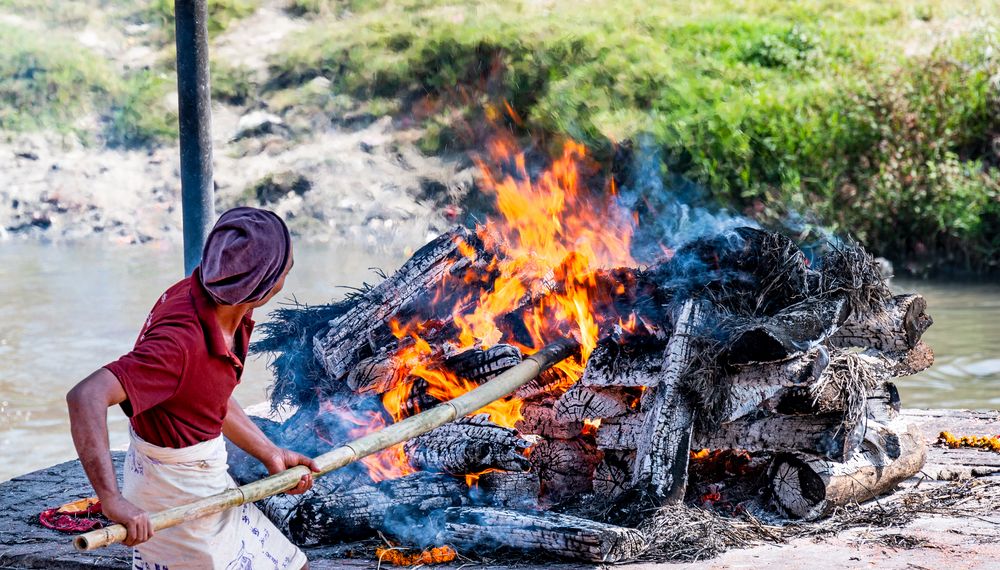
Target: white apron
(241, 538)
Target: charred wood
(539, 418)
(821, 434)
(897, 328)
(565, 467)
(479, 365)
(510, 490)
(789, 332)
(613, 475)
(583, 402)
(760, 388)
(468, 445)
(610, 365)
(621, 433)
(544, 533)
(350, 337)
(809, 487)
(339, 512)
(665, 441)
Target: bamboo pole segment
(404, 430)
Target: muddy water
(67, 310)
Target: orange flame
(552, 239)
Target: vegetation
(874, 116)
(46, 81)
(880, 117)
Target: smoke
(671, 210)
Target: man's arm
(88, 404)
(241, 430)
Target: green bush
(835, 109)
(46, 81)
(138, 116)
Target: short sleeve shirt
(180, 374)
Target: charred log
(468, 445)
(565, 467)
(544, 533)
(351, 337)
(480, 365)
(760, 388)
(610, 365)
(540, 419)
(613, 475)
(510, 490)
(339, 512)
(583, 402)
(897, 328)
(665, 441)
(789, 332)
(827, 435)
(809, 487)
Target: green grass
(874, 116)
(47, 81)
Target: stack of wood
(736, 342)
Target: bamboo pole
(404, 430)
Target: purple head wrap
(244, 256)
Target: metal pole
(195, 118)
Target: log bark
(350, 338)
(539, 418)
(510, 490)
(895, 329)
(610, 365)
(826, 435)
(621, 433)
(564, 536)
(468, 445)
(478, 365)
(584, 402)
(337, 513)
(758, 388)
(665, 442)
(789, 332)
(810, 487)
(565, 467)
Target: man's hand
(286, 459)
(136, 521)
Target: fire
(552, 238)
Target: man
(176, 387)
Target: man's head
(246, 257)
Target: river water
(66, 310)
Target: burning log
(809, 487)
(334, 513)
(621, 433)
(544, 533)
(583, 402)
(565, 467)
(352, 336)
(468, 445)
(540, 419)
(609, 365)
(897, 328)
(480, 365)
(510, 490)
(613, 474)
(665, 440)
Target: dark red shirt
(180, 375)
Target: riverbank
(927, 535)
(866, 117)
